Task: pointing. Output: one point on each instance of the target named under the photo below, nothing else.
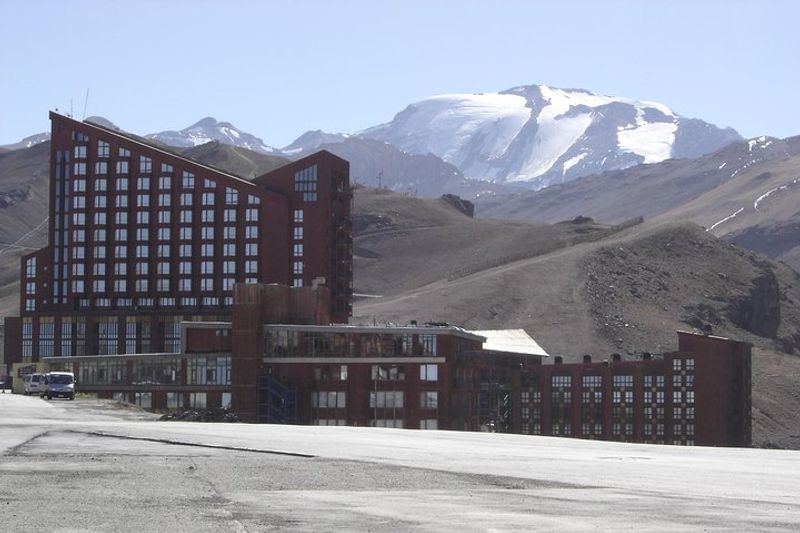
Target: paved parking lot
(92, 466)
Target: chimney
(587, 358)
(558, 360)
(646, 356)
(615, 357)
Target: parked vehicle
(59, 385)
(34, 383)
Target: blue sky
(277, 69)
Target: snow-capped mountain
(542, 135)
(208, 130)
(29, 141)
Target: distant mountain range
(527, 137)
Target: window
(186, 199)
(166, 168)
(428, 400)
(101, 168)
(80, 152)
(121, 218)
(143, 200)
(188, 180)
(298, 216)
(163, 234)
(120, 285)
(163, 268)
(164, 217)
(30, 267)
(163, 250)
(251, 232)
(305, 182)
(229, 232)
(145, 165)
(103, 149)
(229, 250)
(207, 233)
(143, 184)
(197, 400)
(428, 344)
(164, 200)
(186, 217)
(122, 167)
(123, 152)
(207, 267)
(253, 200)
(209, 184)
(251, 215)
(298, 267)
(174, 400)
(207, 284)
(208, 198)
(79, 202)
(207, 215)
(328, 399)
(142, 234)
(251, 249)
(101, 184)
(100, 201)
(79, 185)
(298, 234)
(164, 182)
(207, 250)
(386, 399)
(184, 284)
(185, 233)
(428, 372)
(229, 267)
(142, 251)
(185, 267)
(231, 196)
(250, 267)
(122, 184)
(79, 169)
(121, 200)
(185, 250)
(142, 217)
(298, 250)
(227, 284)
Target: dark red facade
(141, 239)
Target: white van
(59, 384)
(34, 383)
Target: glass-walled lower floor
(156, 382)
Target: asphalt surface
(92, 466)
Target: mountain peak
(541, 135)
(210, 129)
(207, 122)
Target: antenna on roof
(70, 108)
(85, 103)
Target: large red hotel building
(171, 284)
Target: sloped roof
(510, 341)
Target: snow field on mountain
(446, 124)
(651, 140)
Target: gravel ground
(57, 473)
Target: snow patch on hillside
(651, 140)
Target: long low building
(276, 363)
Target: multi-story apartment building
(141, 238)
